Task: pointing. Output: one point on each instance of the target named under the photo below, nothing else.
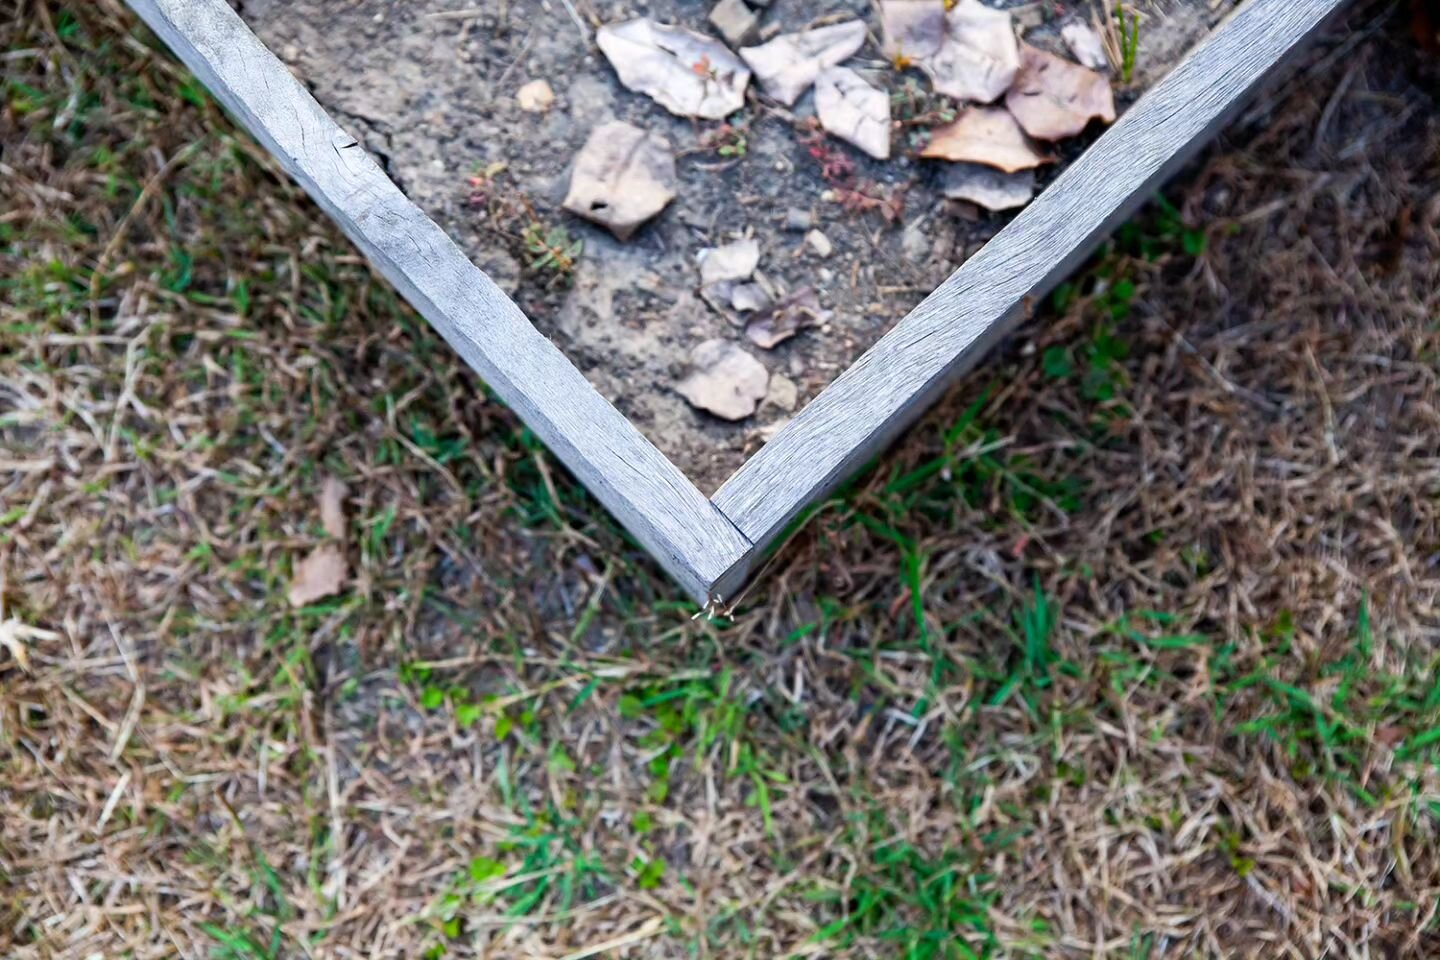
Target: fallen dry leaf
(725, 381)
(535, 97)
(789, 64)
(734, 295)
(986, 135)
(1390, 734)
(724, 272)
(1086, 45)
(854, 111)
(687, 73)
(733, 261)
(988, 187)
(623, 176)
(332, 507)
(786, 318)
(969, 52)
(747, 297)
(320, 575)
(1054, 98)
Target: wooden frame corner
(709, 546)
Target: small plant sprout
(482, 181)
(916, 110)
(914, 106)
(729, 140)
(1129, 42)
(855, 194)
(706, 71)
(552, 250)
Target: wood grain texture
(693, 541)
(868, 404)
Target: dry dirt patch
(434, 86)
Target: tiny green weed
(552, 250)
(1129, 42)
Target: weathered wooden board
(867, 405)
(709, 546)
(643, 489)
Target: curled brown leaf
(986, 135)
(1054, 98)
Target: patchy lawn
(1128, 649)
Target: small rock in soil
(969, 52)
(687, 73)
(914, 243)
(1086, 45)
(854, 111)
(1054, 98)
(987, 187)
(820, 243)
(623, 176)
(725, 380)
(737, 23)
(988, 135)
(535, 97)
(789, 64)
(783, 393)
(798, 220)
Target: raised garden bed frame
(711, 545)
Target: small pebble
(798, 220)
(535, 97)
(819, 243)
(735, 22)
(914, 243)
(782, 393)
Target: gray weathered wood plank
(868, 404)
(643, 489)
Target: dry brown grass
(1141, 662)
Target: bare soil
(430, 86)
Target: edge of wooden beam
(942, 338)
(647, 493)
